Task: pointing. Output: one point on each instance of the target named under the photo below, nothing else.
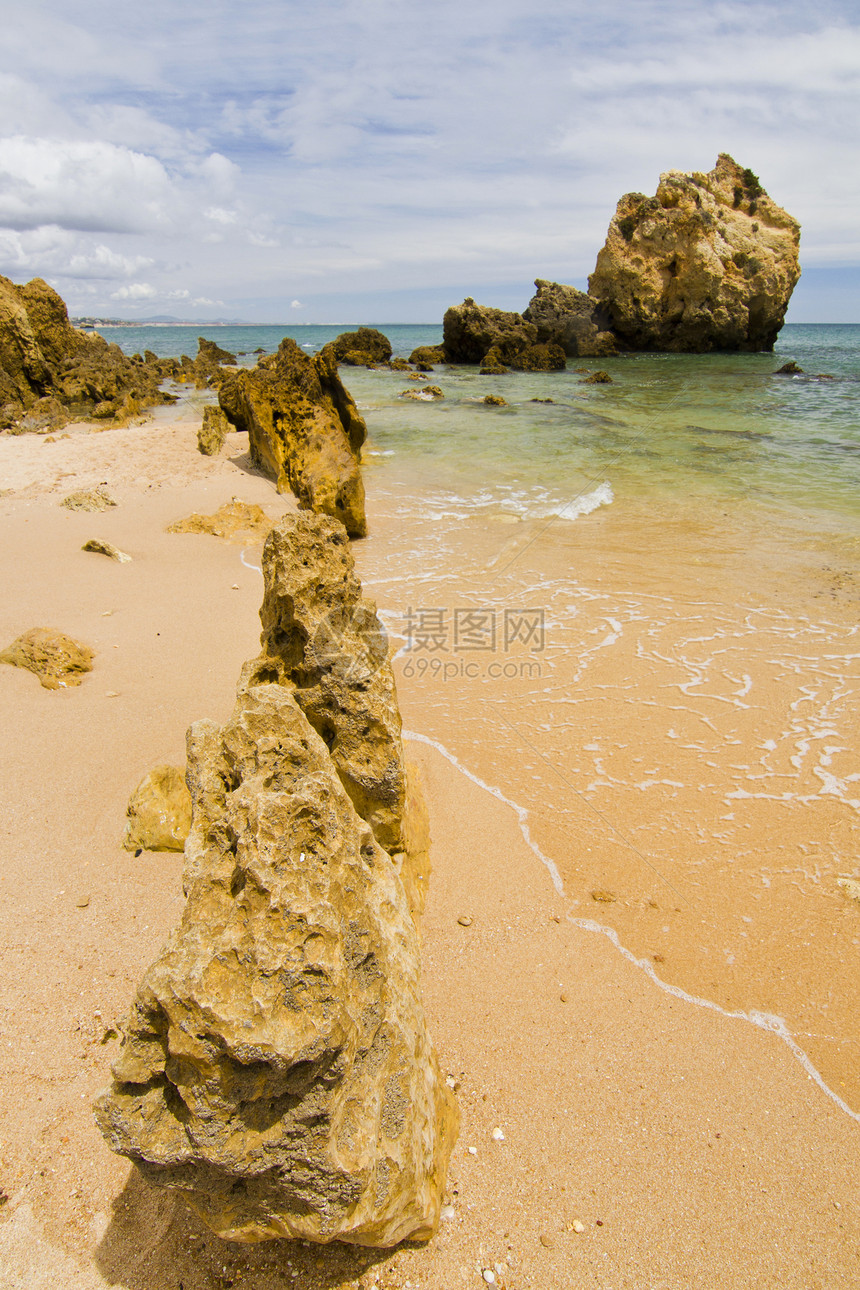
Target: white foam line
(520, 811)
(764, 1020)
(255, 567)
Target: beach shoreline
(690, 1144)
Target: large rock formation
(276, 1065)
(49, 367)
(304, 430)
(362, 348)
(709, 263)
(497, 339)
(567, 317)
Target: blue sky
(354, 161)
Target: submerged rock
(597, 378)
(159, 812)
(304, 430)
(276, 1067)
(789, 369)
(709, 263)
(56, 659)
(567, 317)
(213, 432)
(426, 394)
(237, 521)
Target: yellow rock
(56, 659)
(159, 812)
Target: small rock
(597, 378)
(547, 1242)
(56, 659)
(604, 897)
(577, 1226)
(234, 521)
(473, 1151)
(89, 499)
(489, 1276)
(851, 886)
(108, 549)
(498, 1135)
(789, 369)
(447, 1212)
(563, 998)
(159, 812)
(464, 920)
(495, 401)
(82, 901)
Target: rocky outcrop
(159, 812)
(496, 339)
(52, 373)
(89, 499)
(304, 430)
(56, 659)
(213, 432)
(709, 263)
(470, 331)
(567, 317)
(425, 356)
(362, 348)
(276, 1067)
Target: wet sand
(693, 1147)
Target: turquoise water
(714, 427)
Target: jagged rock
(237, 521)
(709, 263)
(213, 432)
(42, 356)
(398, 365)
(276, 1067)
(789, 369)
(597, 378)
(159, 812)
(89, 499)
(426, 394)
(362, 348)
(429, 354)
(567, 317)
(538, 358)
(207, 364)
(304, 430)
(494, 401)
(56, 659)
(471, 331)
(100, 547)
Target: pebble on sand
(108, 549)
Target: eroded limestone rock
(364, 347)
(213, 432)
(236, 521)
(159, 812)
(99, 547)
(471, 331)
(276, 1065)
(304, 430)
(567, 317)
(56, 659)
(50, 372)
(709, 263)
(89, 499)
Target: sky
(353, 161)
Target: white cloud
(296, 304)
(331, 152)
(135, 291)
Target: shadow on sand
(155, 1242)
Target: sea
(631, 612)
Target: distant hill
(159, 320)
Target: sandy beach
(655, 1134)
